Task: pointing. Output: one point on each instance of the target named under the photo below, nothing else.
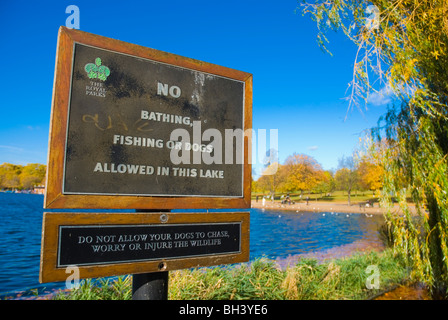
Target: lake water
(274, 234)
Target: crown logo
(96, 70)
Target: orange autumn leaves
(301, 172)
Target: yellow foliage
(371, 175)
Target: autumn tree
(21, 177)
(255, 187)
(32, 174)
(403, 48)
(370, 175)
(10, 176)
(326, 184)
(272, 178)
(346, 177)
(301, 173)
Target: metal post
(150, 286)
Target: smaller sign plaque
(94, 245)
(109, 244)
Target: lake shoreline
(337, 252)
(325, 207)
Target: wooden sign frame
(51, 243)
(55, 196)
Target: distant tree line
(18, 177)
(301, 172)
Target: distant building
(40, 189)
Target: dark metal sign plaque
(111, 244)
(123, 110)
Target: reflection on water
(273, 234)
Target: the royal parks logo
(96, 70)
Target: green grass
(102, 289)
(307, 279)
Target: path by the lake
(324, 207)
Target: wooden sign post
(136, 128)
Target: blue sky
(297, 88)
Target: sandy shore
(323, 207)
